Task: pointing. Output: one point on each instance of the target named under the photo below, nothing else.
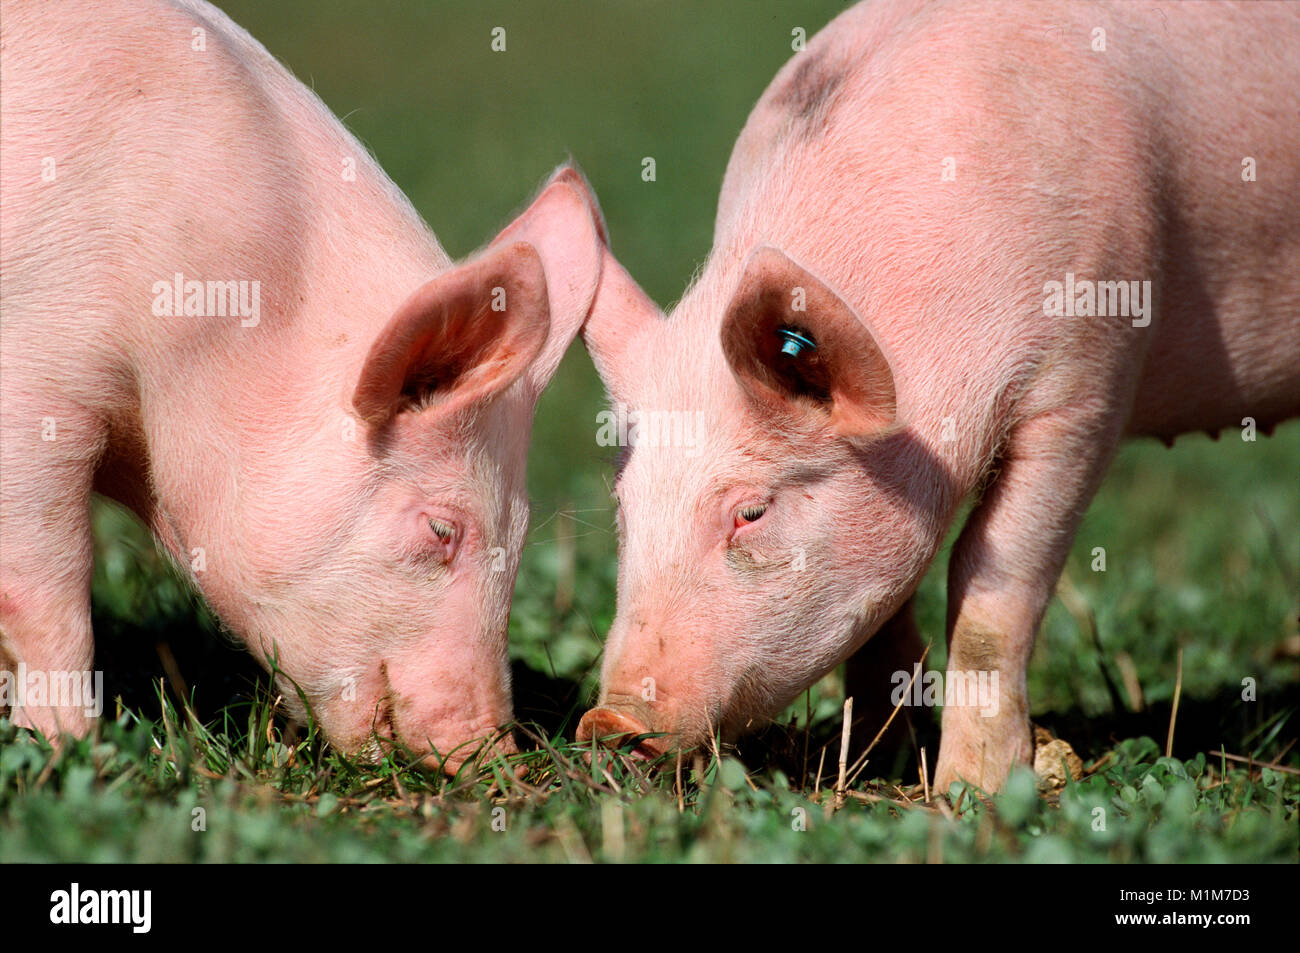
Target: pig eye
(444, 531)
(751, 513)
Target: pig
(879, 335)
(220, 312)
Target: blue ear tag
(794, 342)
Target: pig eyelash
(444, 531)
(750, 514)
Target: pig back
(941, 163)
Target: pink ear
(564, 224)
(459, 339)
(572, 176)
(796, 347)
(621, 313)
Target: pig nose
(610, 728)
(502, 745)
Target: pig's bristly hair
(243, 433)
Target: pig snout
(452, 749)
(623, 713)
(448, 748)
(440, 724)
(495, 743)
(614, 727)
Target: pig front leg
(1002, 574)
(46, 558)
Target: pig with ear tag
(959, 255)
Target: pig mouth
(383, 736)
(644, 750)
(385, 718)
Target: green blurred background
(1201, 540)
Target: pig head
(393, 620)
(762, 551)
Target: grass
(1215, 581)
(241, 791)
(1200, 541)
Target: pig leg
(870, 679)
(1002, 574)
(46, 558)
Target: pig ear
(459, 339)
(794, 345)
(620, 314)
(565, 225)
(572, 176)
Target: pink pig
(219, 311)
(961, 251)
